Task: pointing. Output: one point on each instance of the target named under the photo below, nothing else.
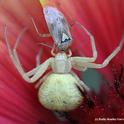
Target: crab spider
(60, 88)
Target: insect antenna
(44, 44)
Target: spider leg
(36, 73)
(36, 29)
(30, 73)
(89, 59)
(14, 60)
(79, 64)
(38, 56)
(15, 46)
(42, 79)
(110, 57)
(13, 51)
(80, 83)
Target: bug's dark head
(64, 41)
(58, 27)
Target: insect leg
(36, 29)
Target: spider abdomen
(59, 92)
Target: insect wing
(58, 27)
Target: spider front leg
(36, 29)
(15, 60)
(38, 56)
(79, 64)
(89, 59)
(36, 73)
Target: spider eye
(65, 38)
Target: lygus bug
(58, 27)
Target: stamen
(118, 79)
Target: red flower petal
(104, 19)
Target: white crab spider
(59, 90)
